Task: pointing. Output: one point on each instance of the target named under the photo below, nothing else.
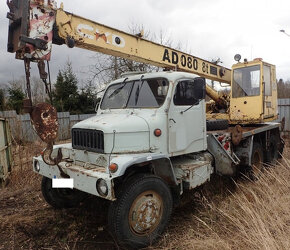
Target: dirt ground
(28, 222)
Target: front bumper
(84, 179)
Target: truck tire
(221, 124)
(60, 197)
(141, 212)
(272, 154)
(257, 159)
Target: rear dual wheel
(273, 152)
(258, 158)
(257, 161)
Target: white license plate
(62, 183)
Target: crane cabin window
(246, 81)
(267, 80)
(149, 93)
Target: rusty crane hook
(44, 120)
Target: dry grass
(251, 215)
(22, 174)
(223, 214)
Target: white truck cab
(142, 113)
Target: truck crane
(149, 140)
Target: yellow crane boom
(83, 33)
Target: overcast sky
(208, 28)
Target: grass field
(223, 214)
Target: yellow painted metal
(258, 108)
(212, 93)
(218, 116)
(94, 36)
(217, 97)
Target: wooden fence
(22, 129)
(5, 150)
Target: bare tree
(108, 68)
(19, 83)
(38, 91)
(283, 88)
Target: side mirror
(199, 88)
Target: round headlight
(36, 166)
(102, 187)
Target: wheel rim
(145, 213)
(257, 163)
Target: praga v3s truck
(147, 143)
(152, 137)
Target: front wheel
(141, 212)
(60, 197)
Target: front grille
(88, 139)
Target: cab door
(270, 91)
(186, 117)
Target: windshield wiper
(117, 91)
(138, 90)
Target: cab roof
(170, 75)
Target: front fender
(161, 164)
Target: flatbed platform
(249, 130)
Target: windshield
(246, 82)
(149, 93)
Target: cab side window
(184, 94)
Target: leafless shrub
(22, 174)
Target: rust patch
(237, 134)
(50, 3)
(145, 213)
(44, 120)
(82, 170)
(103, 36)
